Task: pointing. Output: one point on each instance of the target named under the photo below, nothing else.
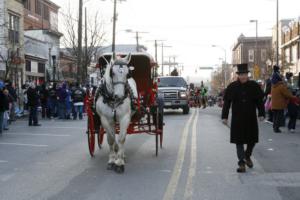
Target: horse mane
(107, 72)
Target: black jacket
(4, 104)
(244, 99)
(33, 97)
(78, 95)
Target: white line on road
(171, 189)
(56, 127)
(32, 134)
(3, 161)
(21, 144)
(188, 194)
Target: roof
(126, 48)
(243, 39)
(52, 4)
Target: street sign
(206, 68)
(256, 72)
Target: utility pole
(277, 32)
(113, 48)
(155, 45)
(86, 48)
(137, 42)
(162, 57)
(79, 49)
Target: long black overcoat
(244, 100)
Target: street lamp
(225, 64)
(256, 50)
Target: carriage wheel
(91, 135)
(100, 137)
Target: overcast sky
(191, 27)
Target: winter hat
(276, 69)
(276, 78)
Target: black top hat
(242, 69)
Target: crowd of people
(199, 96)
(281, 101)
(57, 100)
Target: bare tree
(95, 38)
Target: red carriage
(149, 107)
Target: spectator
(33, 102)
(52, 101)
(78, 101)
(13, 94)
(6, 112)
(44, 95)
(3, 105)
(62, 95)
(280, 96)
(68, 104)
(293, 107)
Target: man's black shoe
(36, 124)
(249, 162)
(241, 169)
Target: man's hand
(225, 121)
(261, 118)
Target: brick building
(12, 41)
(290, 47)
(68, 65)
(42, 47)
(244, 51)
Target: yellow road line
(193, 163)
(171, 189)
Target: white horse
(114, 105)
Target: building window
(294, 53)
(263, 55)
(27, 4)
(251, 55)
(46, 12)
(28, 66)
(41, 68)
(13, 29)
(287, 55)
(38, 7)
(298, 51)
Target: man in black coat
(245, 97)
(33, 102)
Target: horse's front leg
(110, 134)
(120, 161)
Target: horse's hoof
(110, 166)
(119, 169)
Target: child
(6, 112)
(293, 107)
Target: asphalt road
(196, 162)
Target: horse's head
(119, 73)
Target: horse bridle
(125, 83)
